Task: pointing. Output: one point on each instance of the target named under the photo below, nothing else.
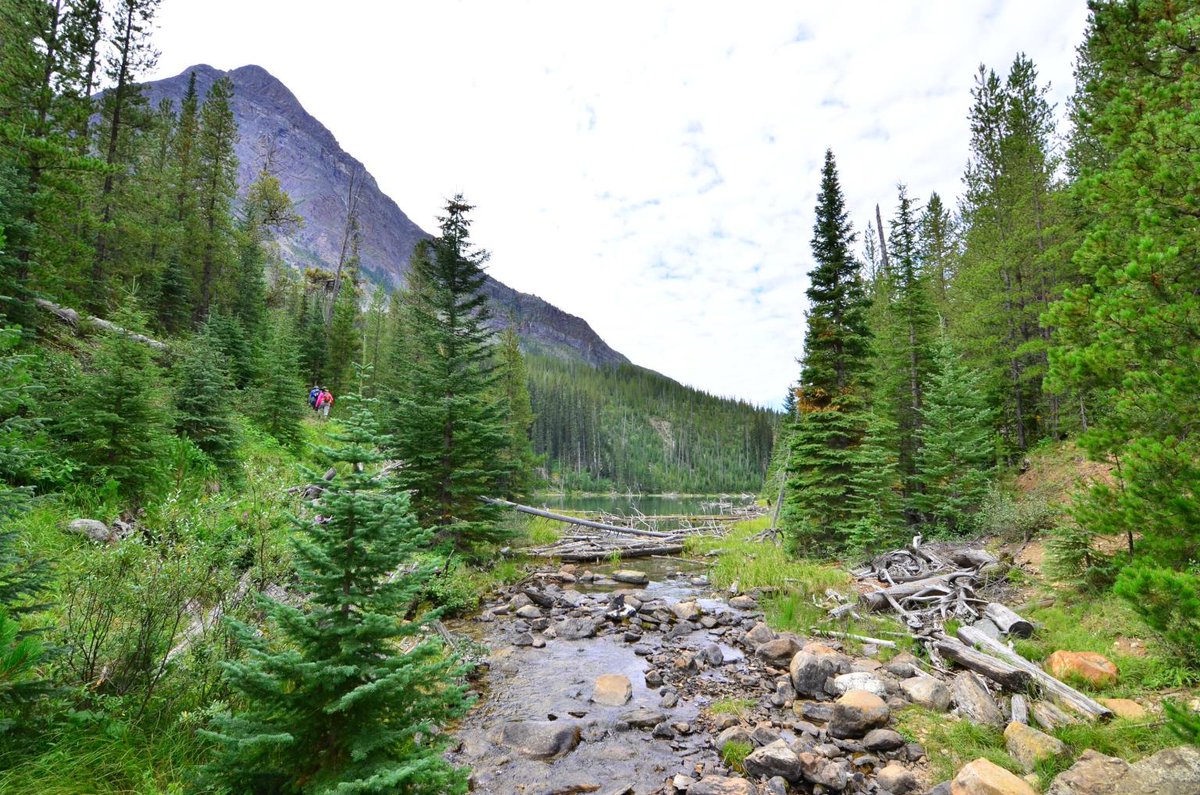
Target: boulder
(712, 654)
(974, 701)
(642, 718)
(1124, 708)
(812, 665)
(541, 739)
(927, 692)
(761, 634)
(1093, 668)
(882, 740)
(529, 611)
(775, 759)
(721, 785)
(630, 577)
(92, 528)
(856, 713)
(1092, 774)
(896, 779)
(1029, 746)
(1172, 771)
(778, 652)
(982, 777)
(859, 680)
(575, 628)
(686, 611)
(612, 690)
(831, 773)
(743, 603)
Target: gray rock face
(575, 628)
(974, 701)
(761, 634)
(93, 529)
(316, 172)
(897, 779)
(771, 760)
(541, 739)
(1173, 771)
(812, 666)
(927, 692)
(882, 740)
(831, 773)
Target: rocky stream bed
(605, 682)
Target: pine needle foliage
(822, 496)
(203, 409)
(957, 445)
(332, 699)
(447, 421)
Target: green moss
(732, 706)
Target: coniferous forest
(206, 585)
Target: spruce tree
(447, 423)
(277, 401)
(203, 401)
(957, 449)
(826, 467)
(215, 184)
(117, 422)
(327, 700)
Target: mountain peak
(316, 172)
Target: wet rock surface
(634, 685)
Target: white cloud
(651, 167)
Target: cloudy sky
(649, 166)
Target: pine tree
(116, 424)
(1129, 333)
(957, 448)
(517, 456)
(826, 467)
(314, 345)
(203, 402)
(345, 338)
(216, 188)
(448, 427)
(330, 703)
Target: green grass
(735, 754)
(541, 532)
(1095, 622)
(732, 706)
(950, 744)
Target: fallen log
(1000, 672)
(625, 554)
(1019, 709)
(574, 520)
(1007, 621)
(1069, 696)
(876, 641)
(880, 599)
(71, 318)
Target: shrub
(1169, 601)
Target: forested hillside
(632, 429)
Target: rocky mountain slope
(317, 173)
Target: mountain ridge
(316, 172)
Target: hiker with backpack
(312, 397)
(324, 403)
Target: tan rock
(1125, 708)
(1029, 746)
(856, 713)
(613, 690)
(1093, 668)
(927, 692)
(982, 777)
(721, 785)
